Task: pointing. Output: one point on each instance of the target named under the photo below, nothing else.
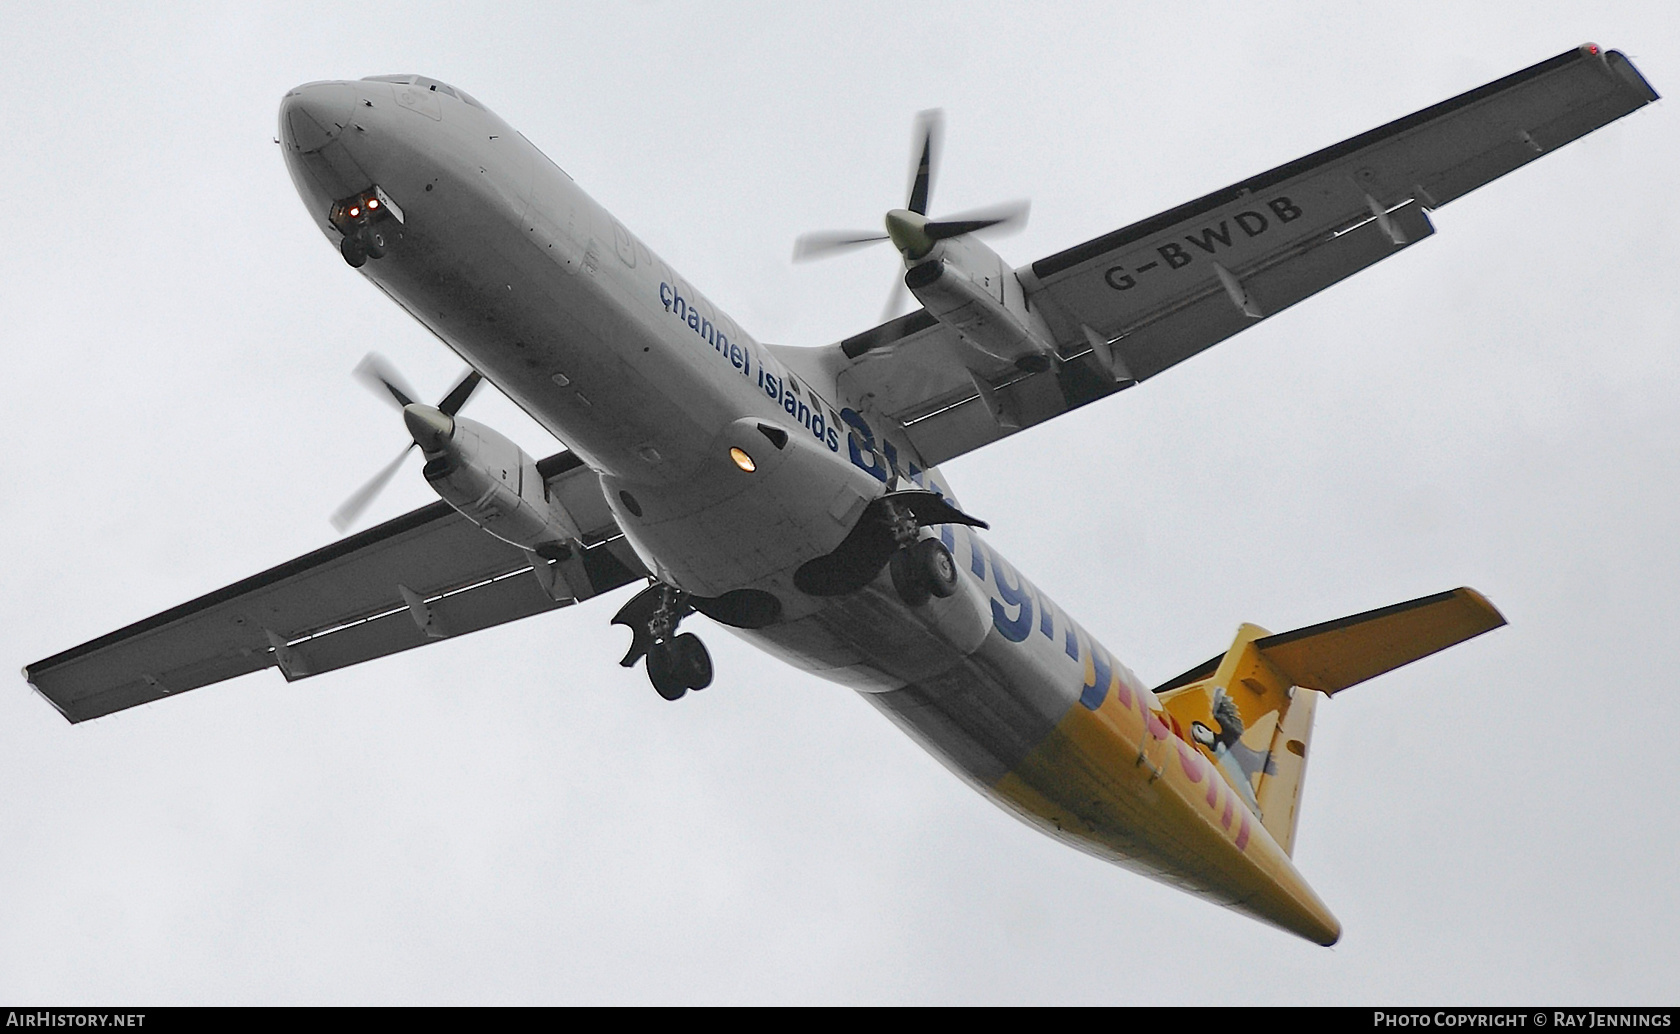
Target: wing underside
(1119, 309)
(427, 575)
(1125, 306)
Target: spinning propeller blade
(383, 379)
(916, 234)
(352, 507)
(930, 126)
(825, 242)
(895, 299)
(460, 393)
(1011, 214)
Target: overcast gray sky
(511, 817)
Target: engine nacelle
(965, 286)
(494, 484)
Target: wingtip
(30, 679)
(1485, 604)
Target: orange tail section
(1243, 711)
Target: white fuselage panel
(536, 286)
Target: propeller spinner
(909, 228)
(428, 426)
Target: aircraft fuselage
(507, 261)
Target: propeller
(427, 426)
(909, 228)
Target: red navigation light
(1592, 48)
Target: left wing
(1125, 306)
(427, 575)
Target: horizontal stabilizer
(1241, 711)
(1342, 653)
(1337, 654)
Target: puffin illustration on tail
(1239, 762)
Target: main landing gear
(920, 568)
(923, 569)
(888, 534)
(678, 665)
(675, 663)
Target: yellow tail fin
(1241, 709)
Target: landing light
(354, 212)
(373, 203)
(742, 460)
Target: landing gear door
(390, 206)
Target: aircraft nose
(313, 114)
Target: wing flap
(953, 417)
(495, 601)
(963, 427)
(1214, 311)
(428, 574)
(1319, 263)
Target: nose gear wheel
(370, 221)
(675, 663)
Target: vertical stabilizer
(1248, 719)
(1250, 711)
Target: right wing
(426, 575)
(1128, 305)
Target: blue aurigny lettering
(880, 461)
(1019, 627)
(861, 441)
(1095, 691)
(1010, 592)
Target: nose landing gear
(362, 244)
(370, 222)
(675, 663)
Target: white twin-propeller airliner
(792, 494)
